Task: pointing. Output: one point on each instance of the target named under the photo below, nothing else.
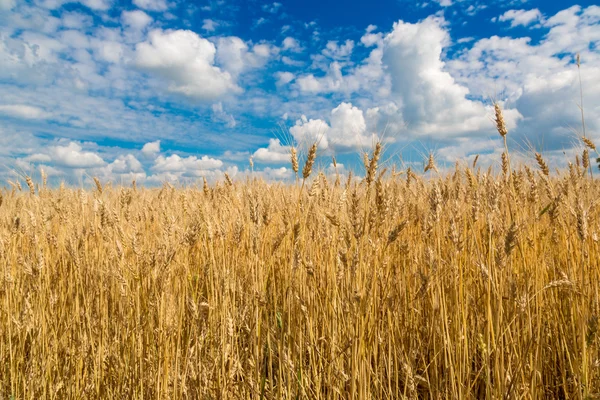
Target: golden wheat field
(469, 284)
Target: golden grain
(260, 289)
(310, 160)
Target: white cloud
(192, 165)
(332, 82)
(347, 130)
(260, 21)
(444, 3)
(274, 153)
(186, 62)
(96, 5)
(370, 39)
(74, 76)
(465, 40)
(234, 55)
(335, 51)
(540, 79)
(151, 148)
(125, 164)
(38, 158)
(75, 39)
(306, 132)
(175, 168)
(368, 76)
(340, 76)
(521, 17)
(99, 5)
(419, 96)
(7, 4)
(151, 5)
(209, 25)
(283, 78)
(76, 20)
(472, 10)
(291, 62)
(24, 111)
(430, 100)
(72, 156)
(125, 168)
(220, 115)
(109, 51)
(41, 47)
(289, 43)
(271, 8)
(281, 173)
(136, 19)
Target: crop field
(467, 284)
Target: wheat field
(468, 284)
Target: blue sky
(159, 90)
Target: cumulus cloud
(291, 62)
(308, 131)
(96, 5)
(541, 80)
(369, 76)
(23, 111)
(291, 44)
(151, 5)
(521, 17)
(76, 20)
(126, 164)
(100, 5)
(444, 3)
(209, 25)
(370, 39)
(430, 100)
(275, 152)
(188, 169)
(73, 73)
(332, 82)
(151, 148)
(186, 62)
(338, 51)
(281, 173)
(283, 77)
(136, 19)
(124, 168)
(235, 56)
(347, 130)
(420, 96)
(73, 156)
(188, 166)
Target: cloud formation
(521, 17)
(73, 156)
(151, 5)
(92, 87)
(186, 62)
(23, 111)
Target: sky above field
(161, 90)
